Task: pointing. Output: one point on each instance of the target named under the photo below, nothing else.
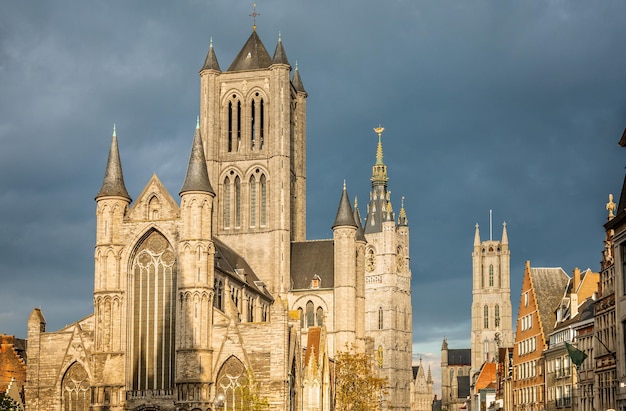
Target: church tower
(388, 285)
(491, 298)
(253, 124)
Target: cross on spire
(253, 15)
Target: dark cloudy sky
(515, 106)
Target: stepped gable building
(12, 367)
(491, 299)
(455, 377)
(542, 291)
(219, 300)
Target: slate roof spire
(113, 184)
(297, 81)
(210, 62)
(360, 234)
(280, 57)
(402, 220)
(197, 178)
(253, 55)
(344, 212)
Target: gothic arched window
(486, 317)
(257, 117)
(153, 279)
(232, 383)
(491, 275)
(497, 315)
(301, 313)
(218, 302)
(263, 205)
(227, 202)
(319, 314)
(253, 201)
(75, 389)
(310, 315)
(380, 318)
(237, 202)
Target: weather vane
(253, 15)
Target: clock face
(370, 262)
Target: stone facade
(492, 326)
(221, 300)
(422, 389)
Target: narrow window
(380, 318)
(301, 313)
(238, 125)
(482, 276)
(310, 317)
(262, 125)
(237, 202)
(497, 315)
(491, 275)
(230, 126)
(252, 201)
(219, 294)
(486, 317)
(227, 203)
(263, 204)
(252, 125)
(319, 316)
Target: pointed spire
(402, 220)
(210, 62)
(344, 212)
(379, 170)
(360, 234)
(297, 81)
(429, 379)
(476, 237)
(505, 237)
(252, 56)
(197, 178)
(113, 184)
(280, 57)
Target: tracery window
(319, 314)
(231, 383)
(491, 275)
(76, 389)
(153, 319)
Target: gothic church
(219, 300)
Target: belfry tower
(253, 124)
(388, 284)
(491, 298)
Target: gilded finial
(379, 170)
(254, 14)
(114, 132)
(280, 36)
(610, 206)
(211, 42)
(198, 123)
(344, 184)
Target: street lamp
(219, 401)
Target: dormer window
(316, 281)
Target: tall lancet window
(491, 275)
(237, 202)
(253, 200)
(227, 195)
(261, 124)
(486, 317)
(234, 124)
(153, 279)
(263, 199)
(497, 315)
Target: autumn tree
(357, 384)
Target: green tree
(250, 398)
(357, 384)
(8, 404)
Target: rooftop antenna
(490, 225)
(253, 15)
